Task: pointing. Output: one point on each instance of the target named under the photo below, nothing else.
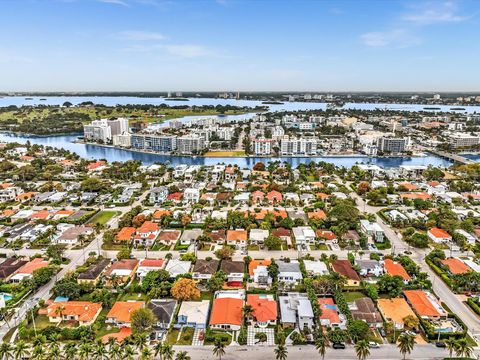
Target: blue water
(287, 106)
(113, 154)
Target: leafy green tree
(142, 320)
(391, 285)
(182, 355)
(272, 242)
(358, 330)
(463, 348)
(362, 349)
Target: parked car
(382, 332)
(440, 344)
(373, 345)
(338, 345)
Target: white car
(373, 345)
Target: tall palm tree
(182, 355)
(281, 352)
(321, 345)
(247, 311)
(115, 352)
(140, 341)
(158, 350)
(85, 351)
(100, 350)
(218, 348)
(70, 351)
(38, 352)
(451, 344)
(21, 350)
(54, 352)
(463, 348)
(405, 344)
(146, 354)
(6, 350)
(362, 348)
(168, 352)
(128, 353)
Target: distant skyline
(236, 45)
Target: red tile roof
(263, 309)
(227, 311)
(329, 310)
(396, 269)
(456, 266)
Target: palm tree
(6, 350)
(38, 352)
(463, 348)
(128, 352)
(451, 344)
(70, 351)
(21, 350)
(247, 312)
(146, 354)
(362, 348)
(85, 351)
(182, 355)
(115, 352)
(100, 350)
(140, 341)
(168, 352)
(218, 348)
(321, 345)
(55, 352)
(405, 344)
(158, 350)
(281, 352)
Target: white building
(262, 146)
(306, 146)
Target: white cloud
(138, 35)
(114, 2)
(396, 38)
(435, 12)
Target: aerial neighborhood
(123, 255)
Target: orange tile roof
(169, 235)
(409, 186)
(237, 235)
(439, 233)
(420, 303)
(124, 264)
(31, 266)
(40, 215)
(158, 214)
(26, 196)
(317, 214)
(96, 164)
(433, 183)
(322, 196)
(122, 311)
(254, 263)
(147, 227)
(64, 212)
(263, 309)
(456, 266)
(5, 185)
(263, 212)
(396, 269)
(274, 195)
(119, 336)
(8, 213)
(395, 309)
(258, 194)
(227, 311)
(175, 196)
(26, 158)
(152, 262)
(85, 310)
(416, 195)
(326, 234)
(125, 234)
(67, 162)
(329, 310)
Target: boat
(272, 102)
(43, 99)
(431, 108)
(28, 98)
(457, 108)
(176, 99)
(335, 105)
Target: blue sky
(159, 45)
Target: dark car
(440, 344)
(382, 332)
(338, 345)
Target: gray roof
(288, 267)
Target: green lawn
(172, 336)
(103, 217)
(353, 295)
(186, 337)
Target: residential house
(289, 272)
(330, 316)
(438, 235)
(372, 229)
(315, 268)
(121, 313)
(227, 312)
(84, 312)
(9, 267)
(264, 309)
(158, 195)
(194, 314)
(164, 310)
(73, 234)
(204, 269)
(303, 235)
(424, 304)
(169, 237)
(296, 311)
(394, 268)
(234, 271)
(258, 272)
(258, 236)
(146, 234)
(369, 268)
(344, 268)
(178, 267)
(455, 266)
(237, 238)
(125, 235)
(274, 197)
(258, 197)
(189, 236)
(27, 270)
(121, 271)
(395, 310)
(147, 265)
(364, 309)
(94, 272)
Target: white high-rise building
(98, 130)
(306, 146)
(118, 126)
(190, 144)
(262, 146)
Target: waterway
(89, 151)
